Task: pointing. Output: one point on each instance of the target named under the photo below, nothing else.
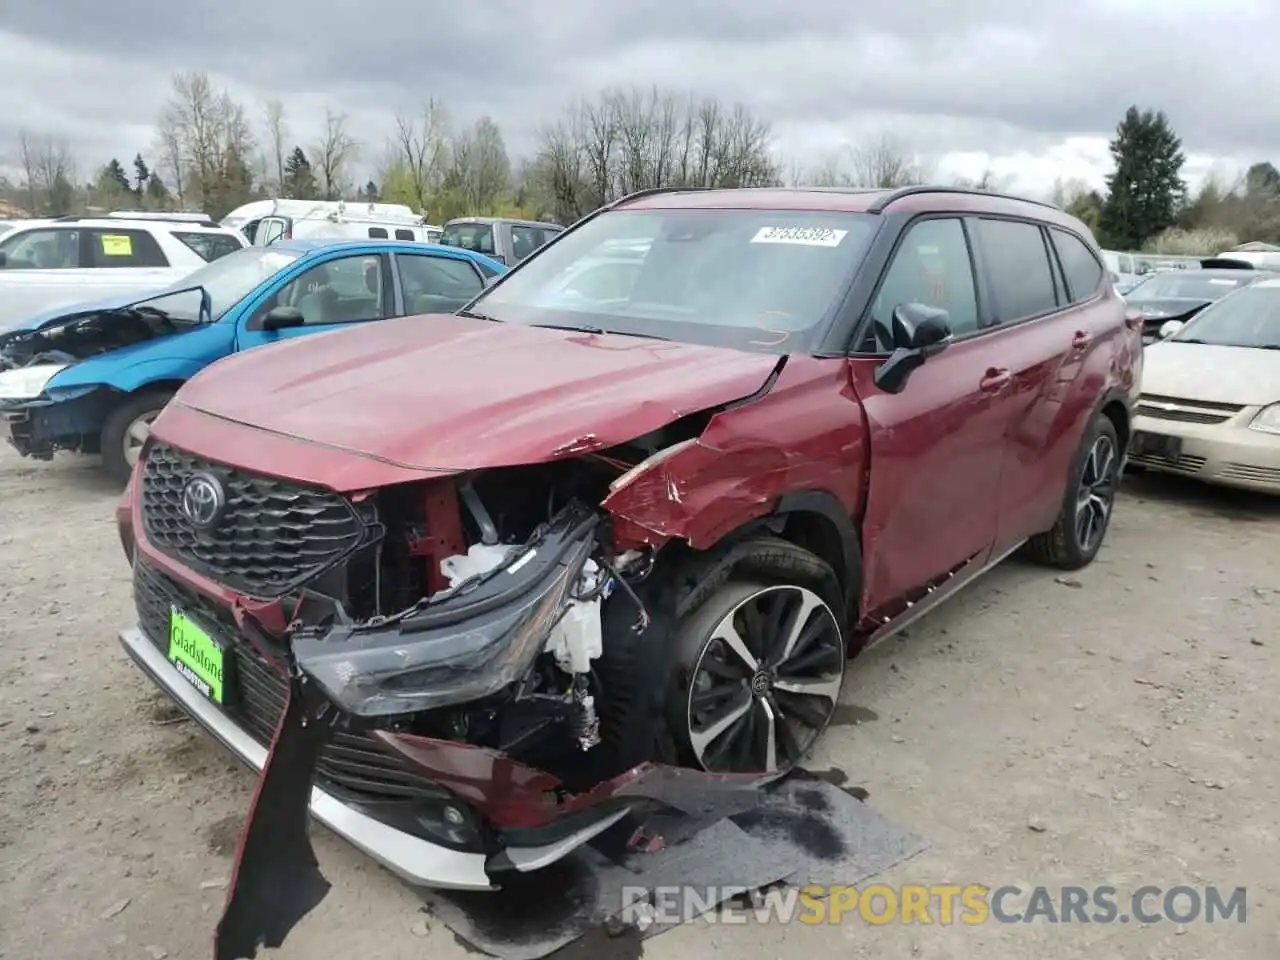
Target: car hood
(447, 393)
(1196, 371)
(66, 312)
(72, 334)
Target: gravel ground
(1121, 727)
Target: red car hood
(446, 393)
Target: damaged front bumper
(415, 860)
(40, 428)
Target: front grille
(353, 762)
(1182, 464)
(272, 536)
(1250, 472)
(1185, 411)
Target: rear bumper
(1228, 453)
(414, 860)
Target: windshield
(754, 279)
(229, 279)
(1250, 318)
(1179, 285)
(477, 237)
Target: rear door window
(1084, 274)
(405, 235)
(378, 233)
(1018, 270)
(53, 249)
(209, 246)
(125, 248)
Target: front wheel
(127, 428)
(763, 666)
(1076, 537)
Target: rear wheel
(1076, 537)
(127, 428)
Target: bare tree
(885, 162)
(421, 149)
(988, 182)
(206, 144)
(173, 159)
(277, 137)
(628, 140)
(481, 170)
(49, 175)
(332, 155)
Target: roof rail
(188, 220)
(641, 194)
(898, 193)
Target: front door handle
(1082, 339)
(996, 378)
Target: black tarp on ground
(805, 831)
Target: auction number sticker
(803, 236)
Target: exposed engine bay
(474, 610)
(82, 336)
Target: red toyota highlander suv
(487, 579)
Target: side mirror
(279, 318)
(918, 332)
(1169, 328)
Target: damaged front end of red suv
(460, 673)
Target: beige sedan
(1210, 404)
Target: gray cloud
(1000, 76)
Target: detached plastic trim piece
(412, 859)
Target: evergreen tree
(1146, 191)
(141, 176)
(1262, 180)
(113, 175)
(299, 179)
(157, 193)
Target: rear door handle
(997, 378)
(1082, 339)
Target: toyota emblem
(203, 500)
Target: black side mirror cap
(280, 318)
(920, 327)
(919, 332)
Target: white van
(335, 227)
(1258, 259)
(247, 217)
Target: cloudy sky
(1030, 87)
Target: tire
(1091, 486)
(654, 682)
(119, 453)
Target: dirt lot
(1121, 727)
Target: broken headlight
(467, 646)
(27, 383)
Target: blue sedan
(91, 378)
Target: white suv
(51, 263)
